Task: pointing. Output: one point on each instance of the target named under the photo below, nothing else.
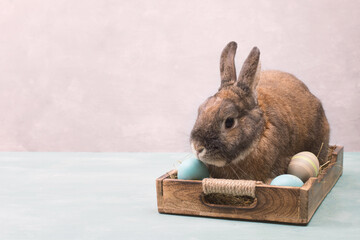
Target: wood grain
(323, 184)
(273, 203)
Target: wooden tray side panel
(160, 190)
(323, 184)
(280, 204)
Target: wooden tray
(295, 205)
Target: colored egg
(287, 180)
(304, 165)
(192, 169)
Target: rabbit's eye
(229, 123)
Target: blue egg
(287, 180)
(192, 169)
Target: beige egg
(304, 165)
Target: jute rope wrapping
(229, 186)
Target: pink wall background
(104, 75)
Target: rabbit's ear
(250, 71)
(227, 65)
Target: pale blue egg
(192, 169)
(287, 180)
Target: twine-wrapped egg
(304, 165)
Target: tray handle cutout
(228, 193)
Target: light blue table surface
(113, 196)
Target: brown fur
(272, 123)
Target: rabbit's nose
(199, 149)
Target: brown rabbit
(253, 125)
